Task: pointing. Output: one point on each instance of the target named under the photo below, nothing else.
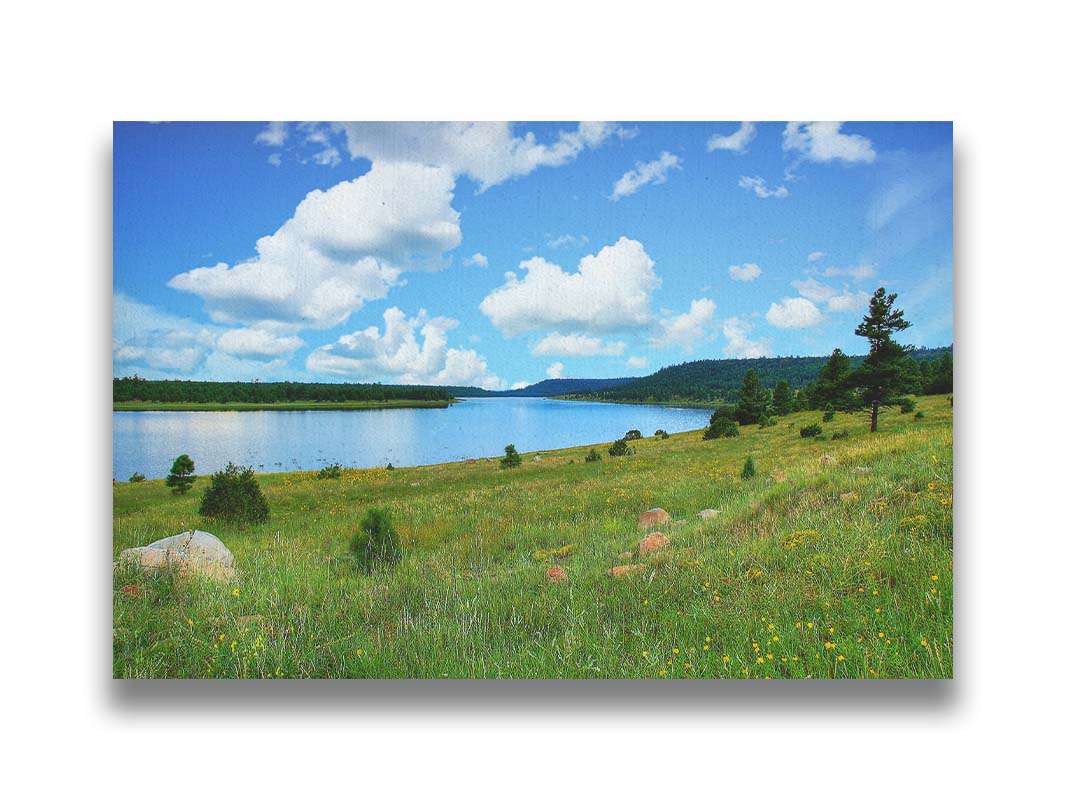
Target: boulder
(625, 569)
(708, 513)
(197, 552)
(556, 574)
(654, 541)
(652, 518)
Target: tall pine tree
(752, 399)
(884, 376)
(832, 386)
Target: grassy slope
(351, 405)
(790, 559)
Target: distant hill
(714, 380)
(551, 387)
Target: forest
(136, 389)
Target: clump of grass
(592, 456)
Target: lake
(283, 441)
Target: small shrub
(620, 448)
(907, 405)
(137, 477)
(724, 412)
(234, 493)
(721, 428)
(839, 435)
(811, 431)
(331, 472)
(918, 415)
(663, 434)
(376, 542)
(749, 470)
(390, 466)
(828, 413)
(632, 435)
(766, 421)
(592, 456)
(511, 457)
(181, 477)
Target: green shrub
(592, 456)
(663, 434)
(811, 431)
(721, 428)
(749, 470)
(390, 466)
(181, 477)
(839, 435)
(234, 494)
(331, 472)
(376, 542)
(918, 415)
(631, 435)
(766, 421)
(907, 405)
(620, 448)
(724, 412)
(137, 477)
(511, 457)
(828, 413)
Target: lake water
(282, 441)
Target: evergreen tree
(884, 376)
(752, 400)
(181, 477)
(833, 387)
(782, 398)
(511, 458)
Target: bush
(592, 456)
(721, 428)
(918, 415)
(828, 413)
(663, 434)
(511, 457)
(234, 493)
(390, 466)
(767, 421)
(724, 412)
(137, 477)
(907, 405)
(811, 431)
(181, 475)
(376, 542)
(839, 435)
(631, 435)
(331, 472)
(620, 448)
(749, 470)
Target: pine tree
(752, 399)
(884, 376)
(832, 387)
(782, 399)
(181, 477)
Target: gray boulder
(196, 552)
(708, 513)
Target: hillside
(717, 380)
(551, 387)
(835, 561)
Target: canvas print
(557, 400)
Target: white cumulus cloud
(818, 255)
(685, 330)
(653, 172)
(794, 312)
(637, 362)
(736, 141)
(555, 370)
(256, 343)
(568, 240)
(477, 260)
(745, 272)
(610, 291)
(823, 141)
(274, 135)
(758, 186)
(738, 345)
(397, 355)
(342, 247)
(575, 344)
(145, 337)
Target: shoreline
(310, 405)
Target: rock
(678, 522)
(625, 569)
(861, 469)
(556, 574)
(653, 517)
(778, 475)
(196, 552)
(826, 459)
(708, 513)
(654, 541)
(537, 458)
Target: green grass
(835, 560)
(349, 405)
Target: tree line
(137, 389)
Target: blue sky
(497, 255)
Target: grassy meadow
(837, 567)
